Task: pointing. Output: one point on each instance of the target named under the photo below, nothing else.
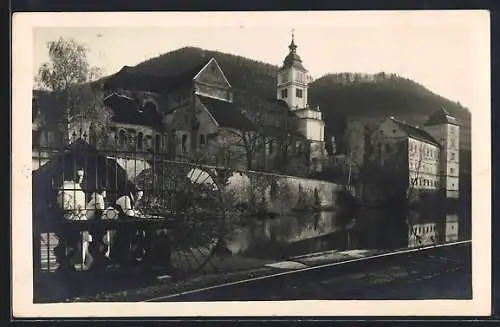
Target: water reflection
(299, 232)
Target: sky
(445, 51)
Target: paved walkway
(226, 270)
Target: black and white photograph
(251, 161)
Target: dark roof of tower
(441, 116)
(292, 59)
(415, 132)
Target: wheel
(189, 195)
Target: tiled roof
(415, 132)
(162, 82)
(127, 110)
(292, 60)
(276, 117)
(440, 117)
(226, 114)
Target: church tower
(293, 80)
(445, 129)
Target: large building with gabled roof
(429, 153)
(423, 161)
(195, 112)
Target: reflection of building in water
(451, 229)
(423, 234)
(428, 233)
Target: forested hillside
(340, 96)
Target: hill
(243, 73)
(371, 98)
(341, 96)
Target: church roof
(442, 116)
(415, 132)
(159, 82)
(226, 114)
(128, 110)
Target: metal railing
(96, 211)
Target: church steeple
(293, 59)
(292, 46)
(292, 88)
(293, 79)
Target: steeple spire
(292, 46)
(292, 59)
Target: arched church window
(122, 137)
(92, 135)
(184, 143)
(140, 141)
(157, 143)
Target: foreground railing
(88, 215)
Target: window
(393, 131)
(300, 77)
(298, 148)
(184, 143)
(92, 135)
(140, 137)
(227, 158)
(284, 93)
(202, 140)
(452, 170)
(122, 137)
(298, 93)
(452, 155)
(284, 77)
(157, 143)
(270, 146)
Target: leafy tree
(68, 79)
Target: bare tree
(397, 185)
(69, 80)
(252, 141)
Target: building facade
(425, 159)
(429, 154)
